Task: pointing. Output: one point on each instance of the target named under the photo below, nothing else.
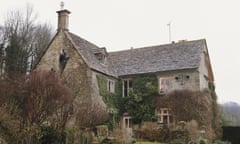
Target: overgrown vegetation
(107, 96)
(139, 102)
(112, 100)
(197, 109)
(187, 105)
(148, 143)
(33, 107)
(216, 120)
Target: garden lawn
(148, 143)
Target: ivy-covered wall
(139, 103)
(112, 100)
(102, 85)
(145, 85)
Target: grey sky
(121, 24)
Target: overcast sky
(121, 24)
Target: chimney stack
(63, 18)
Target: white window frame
(111, 86)
(127, 122)
(126, 87)
(164, 112)
(164, 84)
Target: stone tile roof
(87, 50)
(175, 56)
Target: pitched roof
(175, 56)
(87, 50)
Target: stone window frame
(111, 86)
(127, 86)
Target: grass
(148, 143)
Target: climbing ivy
(146, 85)
(102, 84)
(112, 100)
(215, 110)
(139, 103)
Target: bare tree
(1, 50)
(90, 114)
(32, 101)
(42, 36)
(24, 39)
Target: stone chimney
(63, 18)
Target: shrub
(203, 141)
(188, 105)
(149, 134)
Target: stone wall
(203, 71)
(76, 75)
(182, 79)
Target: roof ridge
(159, 46)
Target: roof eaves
(156, 72)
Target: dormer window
(101, 57)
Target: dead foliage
(30, 101)
(187, 105)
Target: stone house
(176, 66)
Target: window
(111, 86)
(102, 58)
(164, 85)
(127, 122)
(127, 86)
(63, 58)
(164, 116)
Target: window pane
(130, 83)
(164, 84)
(162, 81)
(125, 92)
(112, 87)
(125, 84)
(108, 86)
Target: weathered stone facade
(76, 74)
(182, 79)
(183, 65)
